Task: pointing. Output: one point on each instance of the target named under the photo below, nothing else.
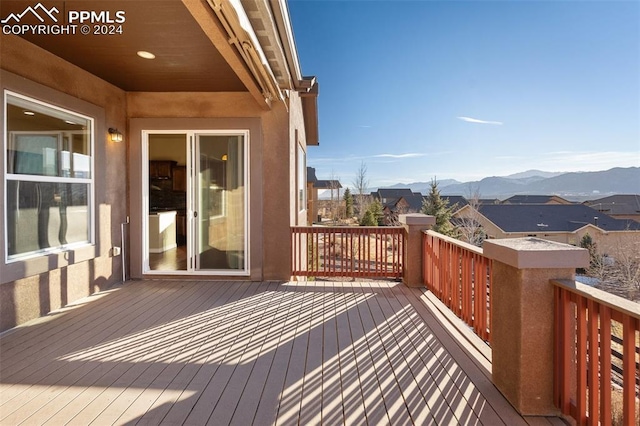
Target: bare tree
(617, 272)
(360, 185)
(335, 201)
(469, 226)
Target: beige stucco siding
(31, 288)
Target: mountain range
(575, 186)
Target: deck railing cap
(535, 253)
(419, 219)
(611, 300)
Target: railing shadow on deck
(123, 343)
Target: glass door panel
(220, 196)
(167, 202)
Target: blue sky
(468, 89)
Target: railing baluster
(584, 318)
(373, 252)
(629, 369)
(605, 364)
(581, 403)
(460, 276)
(593, 362)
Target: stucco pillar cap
(417, 219)
(535, 253)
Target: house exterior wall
(33, 287)
(635, 217)
(607, 242)
(297, 138)
(271, 164)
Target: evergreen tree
(348, 203)
(373, 216)
(587, 242)
(368, 219)
(376, 211)
(434, 205)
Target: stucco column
(414, 224)
(522, 317)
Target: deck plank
(77, 375)
(311, 352)
(185, 352)
(130, 357)
(172, 391)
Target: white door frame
(192, 201)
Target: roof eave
(310, 114)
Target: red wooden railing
(588, 382)
(344, 251)
(460, 276)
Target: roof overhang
(310, 112)
(199, 45)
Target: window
(49, 177)
(302, 179)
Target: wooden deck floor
(195, 353)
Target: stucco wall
(32, 288)
(271, 162)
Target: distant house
(332, 185)
(536, 199)
(397, 201)
(388, 196)
(488, 201)
(565, 223)
(458, 201)
(332, 207)
(618, 206)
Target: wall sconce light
(224, 157)
(115, 135)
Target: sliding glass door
(211, 226)
(221, 213)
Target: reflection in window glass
(48, 177)
(43, 215)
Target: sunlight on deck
(244, 353)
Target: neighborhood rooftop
(551, 218)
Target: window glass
(48, 177)
(302, 179)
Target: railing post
(414, 224)
(522, 317)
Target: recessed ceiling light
(146, 55)
(29, 113)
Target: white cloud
(319, 160)
(509, 157)
(408, 155)
(475, 120)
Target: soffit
(262, 20)
(186, 60)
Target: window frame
(301, 196)
(91, 225)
